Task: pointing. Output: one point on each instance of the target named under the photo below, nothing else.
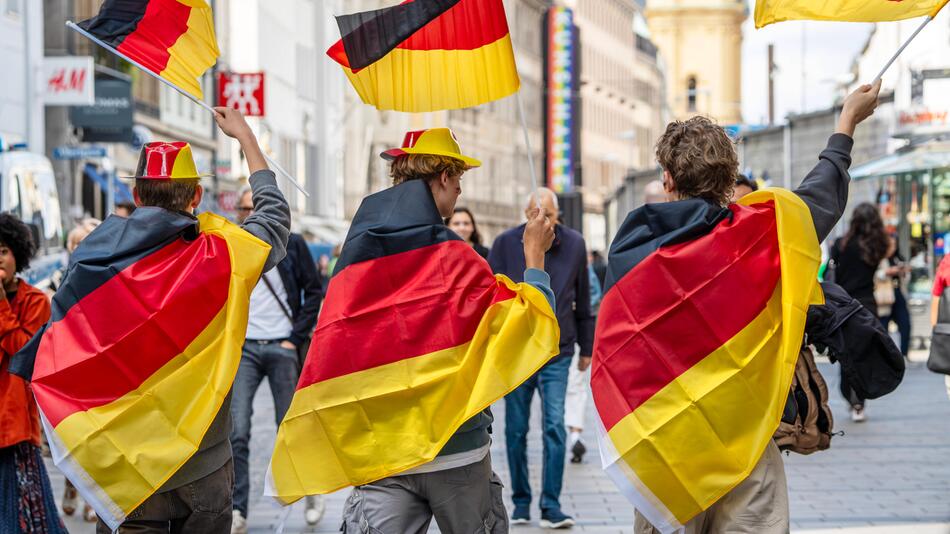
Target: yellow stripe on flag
(702, 434)
(194, 52)
(453, 78)
(125, 450)
(362, 427)
(771, 11)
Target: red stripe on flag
(468, 25)
(400, 306)
(164, 22)
(680, 304)
(120, 334)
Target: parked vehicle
(28, 190)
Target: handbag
(304, 347)
(883, 290)
(939, 359)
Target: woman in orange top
(26, 499)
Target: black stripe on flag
(116, 20)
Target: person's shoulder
(29, 292)
(510, 234)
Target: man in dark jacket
(283, 313)
(567, 265)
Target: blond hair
(425, 167)
(77, 234)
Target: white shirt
(266, 319)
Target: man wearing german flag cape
(132, 374)
(415, 340)
(700, 329)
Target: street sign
(110, 119)
(68, 80)
(242, 91)
(79, 152)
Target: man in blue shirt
(566, 263)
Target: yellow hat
(434, 142)
(167, 161)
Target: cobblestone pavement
(888, 475)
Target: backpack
(806, 422)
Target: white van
(28, 190)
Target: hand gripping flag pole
(73, 26)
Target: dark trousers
(849, 394)
(551, 384)
(280, 367)
(900, 314)
(201, 506)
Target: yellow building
(700, 42)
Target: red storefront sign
(243, 91)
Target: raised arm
(825, 188)
(271, 219)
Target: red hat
(167, 161)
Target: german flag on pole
(771, 11)
(697, 338)
(172, 38)
(416, 336)
(141, 350)
(428, 55)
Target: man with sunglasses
(281, 319)
(566, 263)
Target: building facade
(701, 43)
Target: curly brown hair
(424, 167)
(701, 159)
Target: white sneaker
(857, 415)
(238, 522)
(314, 509)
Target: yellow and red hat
(167, 161)
(434, 142)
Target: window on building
(12, 7)
(691, 94)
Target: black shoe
(577, 452)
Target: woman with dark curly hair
(856, 257)
(26, 498)
(462, 222)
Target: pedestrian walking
(281, 318)
(896, 272)
(462, 222)
(857, 257)
(578, 383)
(599, 265)
(26, 498)
(458, 488)
(567, 264)
(702, 188)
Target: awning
(926, 158)
(122, 191)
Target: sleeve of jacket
(271, 219)
(311, 289)
(15, 332)
(582, 310)
(825, 188)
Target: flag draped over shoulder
(141, 350)
(416, 336)
(172, 38)
(771, 11)
(697, 338)
(428, 55)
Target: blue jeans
(900, 315)
(280, 367)
(551, 384)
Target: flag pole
(901, 49)
(527, 143)
(75, 27)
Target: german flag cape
(416, 336)
(171, 38)
(141, 350)
(428, 55)
(771, 11)
(697, 338)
